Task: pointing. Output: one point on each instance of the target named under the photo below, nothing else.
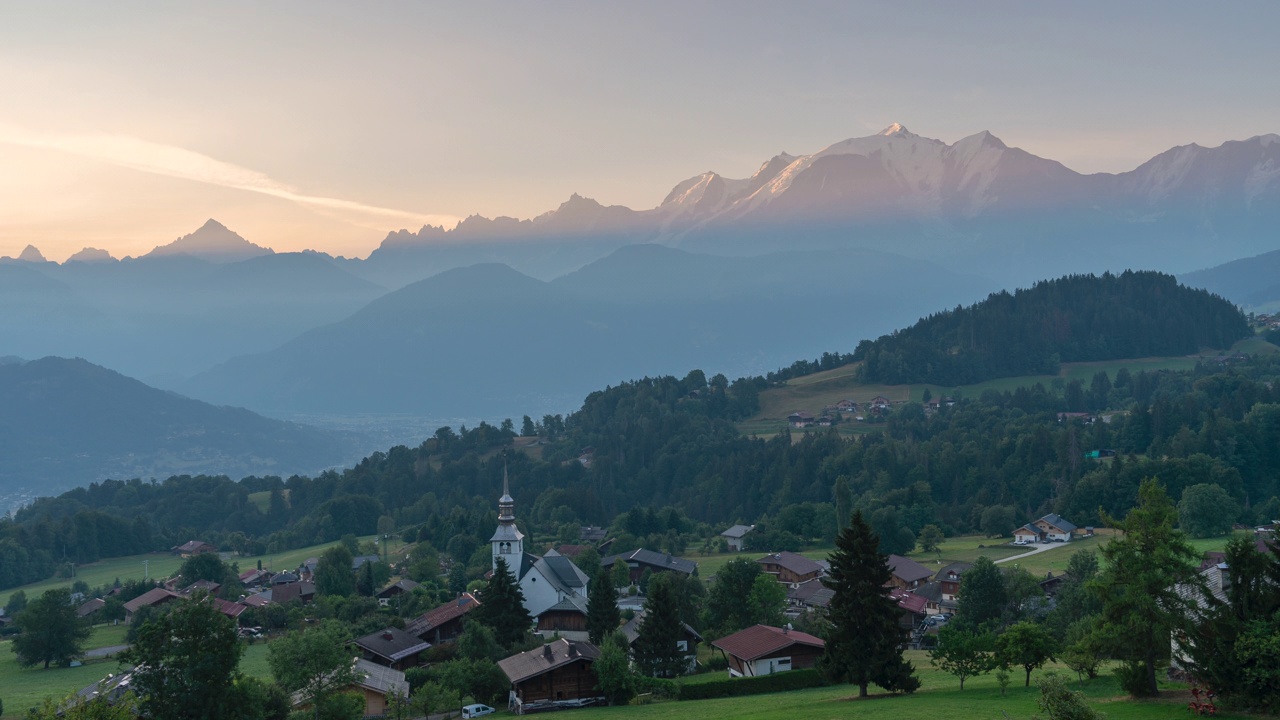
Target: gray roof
(565, 572)
(657, 560)
(794, 562)
(908, 570)
(632, 628)
(533, 663)
(1059, 522)
(957, 567)
(738, 531)
(380, 678)
(392, 643)
(931, 591)
(570, 603)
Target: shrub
(732, 687)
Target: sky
(325, 125)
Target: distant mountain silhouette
(1249, 282)
(67, 422)
(488, 341)
(212, 242)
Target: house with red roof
(444, 623)
(765, 650)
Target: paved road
(1042, 547)
(105, 651)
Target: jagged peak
(31, 253)
(90, 254)
(896, 130)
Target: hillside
(68, 422)
(1252, 282)
(1077, 318)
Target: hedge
(778, 682)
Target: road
(1042, 547)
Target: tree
(603, 616)
(478, 643)
(502, 607)
(334, 575)
(767, 601)
(963, 653)
(434, 698)
(726, 611)
(51, 631)
(982, 597)
(655, 651)
(364, 580)
(620, 574)
(588, 561)
(1027, 644)
(185, 663)
(1141, 603)
(613, 672)
(1206, 510)
(998, 520)
(930, 538)
(314, 663)
(1059, 702)
(457, 578)
(203, 566)
(864, 643)
(17, 603)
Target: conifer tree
(502, 606)
(864, 644)
(655, 650)
(603, 616)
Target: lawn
(22, 688)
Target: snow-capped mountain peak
(896, 129)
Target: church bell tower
(507, 540)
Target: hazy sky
(313, 124)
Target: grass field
(823, 389)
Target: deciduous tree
(51, 632)
(964, 653)
(1026, 644)
(314, 663)
(982, 597)
(334, 575)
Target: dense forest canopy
(666, 454)
(1077, 318)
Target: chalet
(880, 402)
(391, 647)
(800, 419)
(913, 608)
(444, 623)
(933, 599)
(285, 577)
(847, 406)
(192, 547)
(545, 581)
(566, 619)
(208, 587)
(640, 560)
(591, 534)
(1052, 583)
(395, 589)
(254, 578)
(154, 597)
(303, 592)
(808, 596)
(764, 650)
(379, 685)
(789, 567)
(571, 551)
(556, 672)
(735, 536)
(1083, 417)
(358, 561)
(687, 644)
(1050, 528)
(231, 609)
(90, 607)
(907, 573)
(948, 579)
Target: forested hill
(1077, 318)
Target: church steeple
(507, 540)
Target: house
(566, 619)
(303, 592)
(192, 547)
(231, 609)
(208, 587)
(545, 581)
(880, 403)
(90, 607)
(913, 608)
(254, 578)
(847, 406)
(1052, 583)
(933, 599)
(735, 536)
(948, 579)
(591, 534)
(154, 597)
(809, 595)
(379, 685)
(571, 551)
(444, 623)
(391, 647)
(1083, 417)
(1050, 528)
(556, 672)
(687, 644)
(907, 573)
(800, 419)
(358, 561)
(789, 567)
(282, 578)
(395, 589)
(640, 560)
(764, 650)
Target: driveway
(103, 652)
(1042, 547)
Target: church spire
(506, 504)
(507, 539)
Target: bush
(657, 688)
(733, 687)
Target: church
(555, 590)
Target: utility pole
(146, 570)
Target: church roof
(565, 572)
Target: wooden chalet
(640, 560)
(764, 650)
(948, 578)
(907, 573)
(395, 589)
(556, 672)
(913, 608)
(154, 597)
(391, 647)
(444, 623)
(789, 567)
(90, 607)
(687, 644)
(192, 547)
(567, 618)
(380, 687)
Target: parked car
(475, 711)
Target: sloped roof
(392, 643)
(666, 561)
(760, 640)
(154, 596)
(228, 608)
(291, 591)
(632, 628)
(90, 607)
(738, 531)
(533, 663)
(794, 562)
(570, 603)
(909, 601)
(193, 546)
(563, 571)
(930, 591)
(380, 678)
(956, 567)
(465, 603)
(405, 585)
(1059, 522)
(908, 570)
(1028, 528)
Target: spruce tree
(603, 616)
(655, 650)
(502, 606)
(864, 644)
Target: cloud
(170, 161)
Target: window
(682, 645)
